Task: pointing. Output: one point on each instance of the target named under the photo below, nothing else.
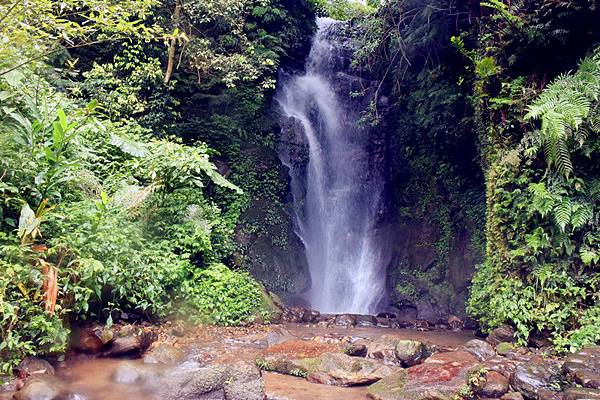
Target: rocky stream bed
(307, 357)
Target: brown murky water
(93, 377)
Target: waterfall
(336, 178)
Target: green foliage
(540, 271)
(25, 329)
(220, 295)
(40, 29)
(83, 196)
(564, 109)
(343, 10)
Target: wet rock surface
(495, 385)
(581, 394)
(583, 367)
(34, 366)
(42, 387)
(502, 334)
(482, 349)
(410, 352)
(535, 381)
(342, 370)
(437, 378)
(350, 360)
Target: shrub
(223, 296)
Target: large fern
(563, 109)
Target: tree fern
(563, 109)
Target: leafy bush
(25, 329)
(111, 265)
(220, 295)
(540, 273)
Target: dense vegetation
(139, 174)
(521, 106)
(111, 207)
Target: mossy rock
(388, 388)
(504, 348)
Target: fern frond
(562, 213)
(130, 147)
(567, 110)
(582, 214)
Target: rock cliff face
(423, 271)
(337, 167)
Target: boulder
(91, 339)
(442, 379)
(300, 315)
(190, 381)
(33, 366)
(504, 333)
(131, 343)
(345, 320)
(410, 352)
(534, 381)
(503, 348)
(455, 323)
(330, 368)
(245, 382)
(366, 321)
(342, 370)
(164, 353)
(41, 387)
(356, 350)
(384, 349)
(583, 367)
(576, 393)
(512, 396)
(495, 385)
(480, 348)
(129, 373)
(501, 365)
(449, 357)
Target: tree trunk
(172, 43)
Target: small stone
(495, 385)
(345, 320)
(410, 352)
(504, 348)
(356, 350)
(504, 333)
(480, 348)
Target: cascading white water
(338, 193)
